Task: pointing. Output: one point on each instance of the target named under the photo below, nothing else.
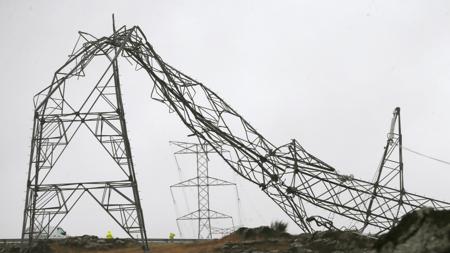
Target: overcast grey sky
(328, 73)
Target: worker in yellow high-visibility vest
(109, 235)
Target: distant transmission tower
(56, 121)
(202, 182)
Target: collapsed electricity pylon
(202, 182)
(56, 121)
(288, 174)
(389, 174)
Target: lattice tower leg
(204, 219)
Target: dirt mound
(70, 244)
(265, 239)
(93, 243)
(332, 241)
(425, 230)
(258, 233)
(38, 247)
(422, 231)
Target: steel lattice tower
(390, 171)
(202, 182)
(56, 121)
(288, 174)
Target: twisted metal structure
(57, 119)
(288, 174)
(204, 214)
(389, 175)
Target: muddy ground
(423, 231)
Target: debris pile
(261, 233)
(264, 239)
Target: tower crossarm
(194, 148)
(193, 182)
(196, 215)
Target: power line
(426, 156)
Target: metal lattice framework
(56, 122)
(288, 174)
(204, 214)
(389, 174)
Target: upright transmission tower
(56, 121)
(202, 182)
